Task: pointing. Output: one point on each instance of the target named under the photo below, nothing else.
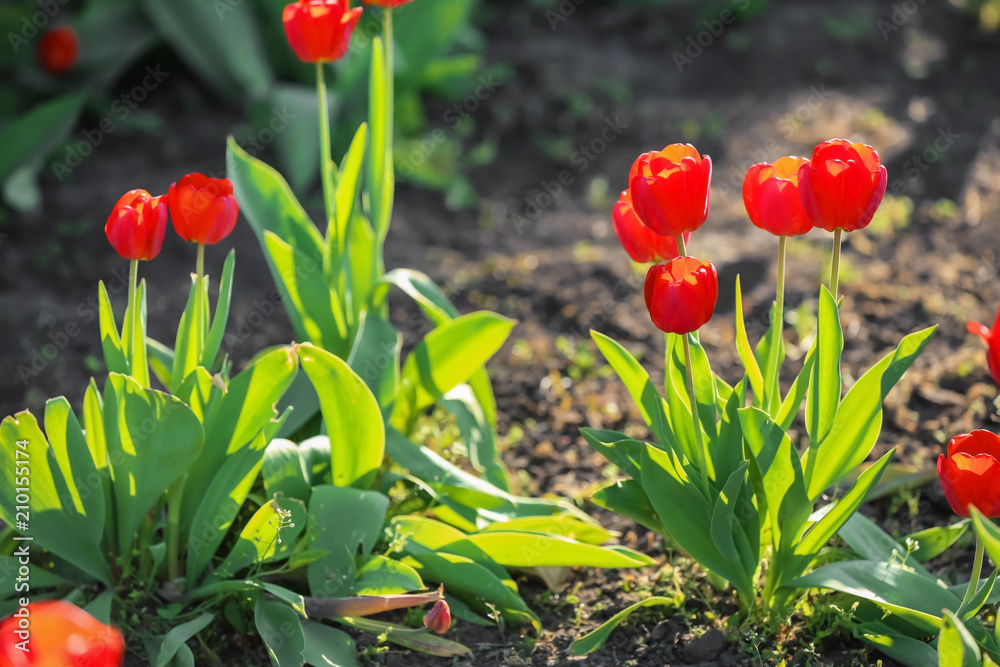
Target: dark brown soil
(604, 80)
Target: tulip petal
(681, 295)
(971, 481)
(640, 242)
(978, 442)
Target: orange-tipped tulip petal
(842, 186)
(670, 189)
(319, 31)
(640, 242)
(137, 224)
(681, 294)
(771, 197)
(54, 633)
(203, 209)
(970, 473)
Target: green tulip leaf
(956, 647)
(647, 398)
(280, 627)
(595, 639)
(153, 439)
(351, 414)
(35, 498)
(823, 397)
(345, 522)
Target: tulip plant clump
(173, 505)
(723, 479)
(187, 502)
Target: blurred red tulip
(137, 224)
(57, 50)
(681, 294)
(438, 619)
(319, 31)
(640, 242)
(771, 197)
(670, 189)
(842, 186)
(992, 340)
(203, 209)
(970, 473)
(54, 633)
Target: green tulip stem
(700, 445)
(326, 158)
(779, 310)
(835, 269)
(977, 572)
(780, 297)
(176, 491)
(682, 250)
(133, 279)
(388, 177)
(175, 495)
(135, 346)
(390, 81)
(199, 302)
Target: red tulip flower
(842, 186)
(438, 619)
(681, 294)
(319, 31)
(640, 242)
(771, 196)
(970, 473)
(993, 340)
(58, 634)
(203, 209)
(137, 225)
(391, 4)
(670, 189)
(57, 50)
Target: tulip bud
(681, 294)
(992, 339)
(670, 189)
(203, 209)
(640, 242)
(771, 196)
(319, 31)
(137, 224)
(970, 473)
(61, 634)
(438, 619)
(842, 186)
(57, 50)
